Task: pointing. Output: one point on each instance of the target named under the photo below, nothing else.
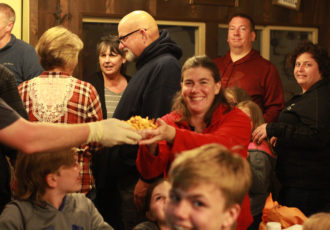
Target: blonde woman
(56, 96)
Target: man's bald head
(137, 30)
(139, 19)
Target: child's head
(209, 184)
(235, 95)
(320, 221)
(253, 111)
(35, 173)
(155, 200)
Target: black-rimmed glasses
(123, 38)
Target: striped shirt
(111, 101)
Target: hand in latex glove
(112, 132)
(140, 192)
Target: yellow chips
(139, 123)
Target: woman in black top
(302, 134)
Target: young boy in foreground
(208, 186)
(44, 181)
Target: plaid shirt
(74, 102)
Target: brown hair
(151, 188)
(193, 62)
(112, 42)
(8, 11)
(214, 164)
(257, 116)
(319, 54)
(319, 221)
(32, 169)
(58, 47)
(241, 15)
(238, 94)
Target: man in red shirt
(245, 68)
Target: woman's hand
(260, 133)
(273, 141)
(163, 132)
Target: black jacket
(303, 144)
(151, 89)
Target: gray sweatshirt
(76, 212)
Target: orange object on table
(274, 212)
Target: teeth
(197, 98)
(177, 227)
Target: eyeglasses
(123, 38)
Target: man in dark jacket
(149, 93)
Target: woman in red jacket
(200, 115)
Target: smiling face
(159, 198)
(198, 90)
(198, 207)
(306, 71)
(240, 34)
(110, 62)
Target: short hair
(319, 221)
(207, 63)
(32, 169)
(8, 11)
(319, 54)
(257, 117)
(214, 164)
(58, 47)
(242, 15)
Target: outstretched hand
(163, 132)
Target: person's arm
(233, 131)
(31, 137)
(274, 96)
(37, 137)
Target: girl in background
(262, 161)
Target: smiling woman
(302, 134)
(200, 115)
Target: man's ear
(51, 180)
(9, 27)
(253, 36)
(232, 214)
(144, 35)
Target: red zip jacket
(232, 129)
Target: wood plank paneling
(312, 13)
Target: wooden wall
(312, 13)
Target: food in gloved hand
(139, 123)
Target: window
(190, 36)
(275, 43)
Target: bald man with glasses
(149, 93)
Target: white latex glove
(112, 132)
